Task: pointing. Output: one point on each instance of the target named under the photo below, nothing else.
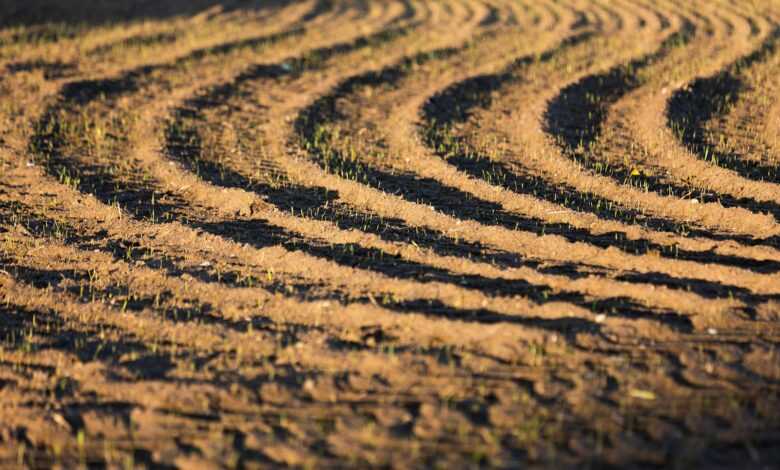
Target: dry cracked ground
(390, 233)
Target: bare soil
(390, 233)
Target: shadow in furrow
(293, 68)
(166, 304)
(82, 285)
(83, 92)
(492, 18)
(449, 200)
(51, 70)
(705, 289)
(455, 104)
(478, 166)
(260, 234)
(708, 290)
(107, 187)
(183, 144)
(692, 107)
(135, 195)
(45, 17)
(319, 9)
(500, 174)
(36, 331)
(576, 117)
(136, 41)
(409, 12)
(577, 114)
(256, 233)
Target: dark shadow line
(690, 108)
(577, 115)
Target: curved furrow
(487, 83)
(29, 100)
(150, 37)
(83, 93)
(393, 182)
(112, 370)
(386, 76)
(451, 104)
(313, 202)
(186, 145)
(188, 281)
(242, 169)
(663, 166)
(252, 327)
(586, 139)
(27, 95)
(351, 233)
(692, 110)
(105, 179)
(453, 107)
(180, 291)
(170, 339)
(179, 295)
(397, 266)
(406, 269)
(200, 33)
(140, 42)
(739, 129)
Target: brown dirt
(390, 233)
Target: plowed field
(390, 233)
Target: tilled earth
(391, 233)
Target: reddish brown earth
(390, 233)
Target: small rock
(60, 420)
(642, 394)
